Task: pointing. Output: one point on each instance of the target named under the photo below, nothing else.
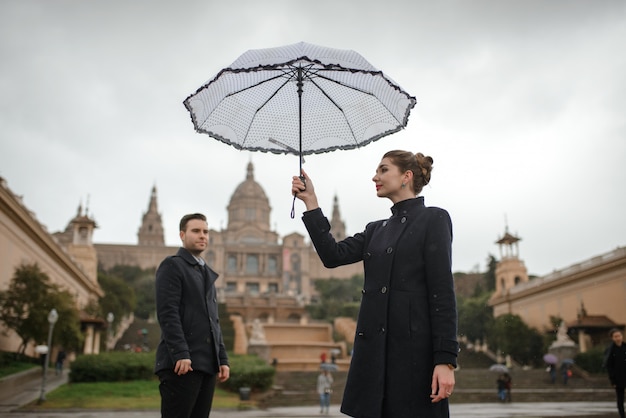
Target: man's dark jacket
(615, 363)
(186, 303)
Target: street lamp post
(110, 318)
(53, 316)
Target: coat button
(384, 289)
(367, 256)
(403, 220)
(384, 223)
(363, 291)
(389, 250)
(360, 334)
(382, 330)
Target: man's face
(617, 338)
(195, 237)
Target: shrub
(112, 367)
(249, 371)
(8, 358)
(591, 360)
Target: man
(616, 366)
(191, 355)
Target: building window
(252, 264)
(210, 258)
(252, 288)
(232, 263)
(272, 265)
(250, 212)
(231, 287)
(272, 288)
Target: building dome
(249, 204)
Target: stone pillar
(88, 345)
(96, 343)
(241, 338)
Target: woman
(405, 346)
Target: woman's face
(617, 338)
(389, 179)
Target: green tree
(119, 297)
(67, 332)
(475, 316)
(490, 274)
(337, 297)
(142, 281)
(25, 304)
(145, 288)
(510, 334)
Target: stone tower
(337, 226)
(510, 270)
(151, 230)
(77, 239)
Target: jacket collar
(186, 255)
(190, 259)
(404, 206)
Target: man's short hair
(187, 218)
(613, 331)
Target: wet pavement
(27, 392)
(481, 410)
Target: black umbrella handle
(293, 204)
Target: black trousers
(186, 396)
(619, 391)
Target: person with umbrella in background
(615, 362)
(405, 347)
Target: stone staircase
(299, 388)
(133, 336)
(472, 386)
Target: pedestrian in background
(508, 385)
(324, 389)
(58, 364)
(501, 385)
(616, 367)
(552, 371)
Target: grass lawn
(138, 394)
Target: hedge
(112, 367)
(245, 371)
(249, 371)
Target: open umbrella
(499, 368)
(331, 367)
(299, 99)
(550, 358)
(567, 361)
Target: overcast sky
(522, 105)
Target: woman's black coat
(407, 322)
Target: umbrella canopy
(550, 358)
(499, 368)
(567, 361)
(299, 99)
(331, 367)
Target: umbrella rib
(356, 142)
(258, 109)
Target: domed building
(251, 259)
